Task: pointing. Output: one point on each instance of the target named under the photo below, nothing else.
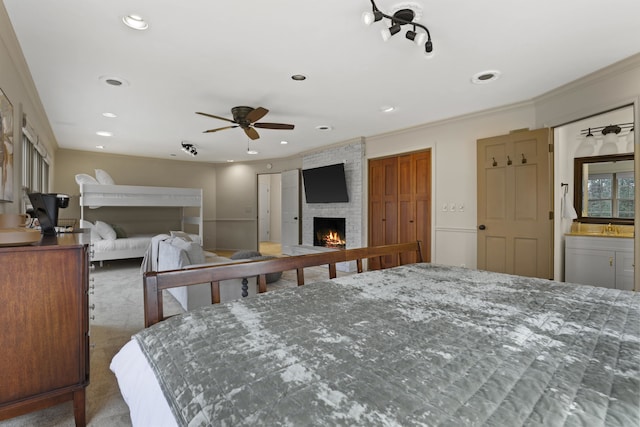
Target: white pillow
(194, 251)
(182, 235)
(104, 178)
(95, 236)
(83, 178)
(106, 231)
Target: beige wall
(17, 85)
(237, 200)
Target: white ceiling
(203, 55)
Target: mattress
(413, 345)
(133, 243)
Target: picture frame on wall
(6, 148)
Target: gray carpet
(118, 314)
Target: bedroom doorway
(269, 214)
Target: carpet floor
(118, 315)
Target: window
(611, 195)
(35, 169)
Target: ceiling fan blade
(215, 117)
(257, 114)
(273, 126)
(216, 130)
(252, 133)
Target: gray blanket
(414, 345)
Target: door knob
(482, 227)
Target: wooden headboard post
(157, 281)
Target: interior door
(515, 223)
(383, 205)
(264, 208)
(290, 210)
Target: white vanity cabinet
(599, 261)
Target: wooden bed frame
(157, 281)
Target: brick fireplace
(352, 155)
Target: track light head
(417, 38)
(189, 149)
(428, 49)
(370, 17)
(388, 32)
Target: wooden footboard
(155, 282)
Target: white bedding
(129, 247)
(147, 406)
(136, 242)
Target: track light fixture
(399, 18)
(190, 149)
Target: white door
(264, 208)
(290, 210)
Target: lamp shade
(630, 141)
(585, 148)
(609, 147)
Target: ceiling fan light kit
(418, 33)
(247, 119)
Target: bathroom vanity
(599, 260)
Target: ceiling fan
(246, 118)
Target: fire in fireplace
(329, 232)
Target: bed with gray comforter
(419, 344)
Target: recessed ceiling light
(104, 133)
(324, 127)
(230, 161)
(299, 77)
(100, 147)
(284, 142)
(484, 77)
(387, 108)
(109, 115)
(114, 81)
(135, 21)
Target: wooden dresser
(44, 343)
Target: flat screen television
(326, 184)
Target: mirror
(604, 188)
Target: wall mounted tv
(326, 184)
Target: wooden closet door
(383, 203)
(414, 201)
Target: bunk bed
(93, 196)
